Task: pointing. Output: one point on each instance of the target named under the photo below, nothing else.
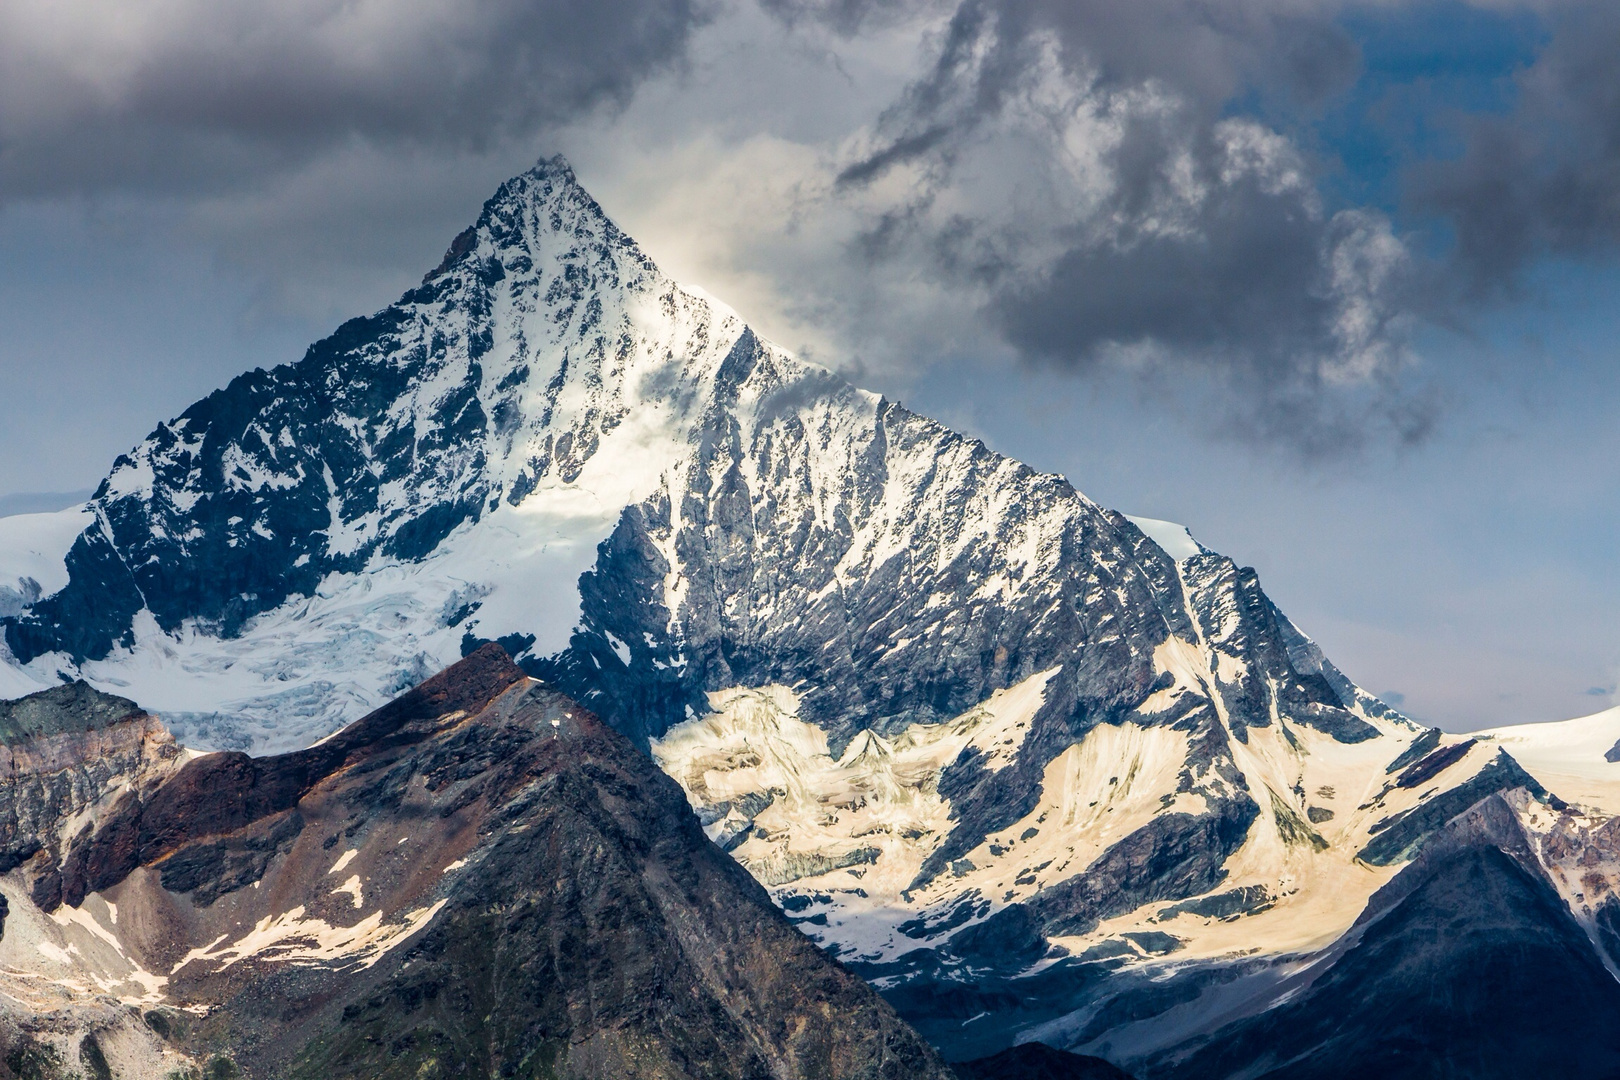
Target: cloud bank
(1078, 162)
(187, 95)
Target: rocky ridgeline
(481, 875)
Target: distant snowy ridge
(33, 550)
(1579, 759)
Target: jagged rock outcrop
(69, 756)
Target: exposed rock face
(479, 879)
(223, 793)
(69, 756)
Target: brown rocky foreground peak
(478, 879)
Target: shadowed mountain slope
(1037, 1061)
(1484, 959)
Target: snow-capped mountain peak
(953, 713)
(491, 425)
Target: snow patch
(34, 548)
(293, 939)
(1175, 540)
(353, 887)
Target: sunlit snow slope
(962, 721)
(1580, 759)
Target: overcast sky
(1335, 284)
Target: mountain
(1104, 905)
(1018, 759)
(478, 879)
(1494, 952)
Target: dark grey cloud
(1165, 204)
(1542, 178)
(1214, 48)
(184, 96)
(1170, 237)
(846, 17)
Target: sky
(1332, 283)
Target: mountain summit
(1000, 749)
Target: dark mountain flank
(1468, 965)
(1037, 1061)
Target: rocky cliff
(69, 756)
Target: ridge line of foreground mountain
(482, 878)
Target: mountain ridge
(1483, 953)
(989, 743)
